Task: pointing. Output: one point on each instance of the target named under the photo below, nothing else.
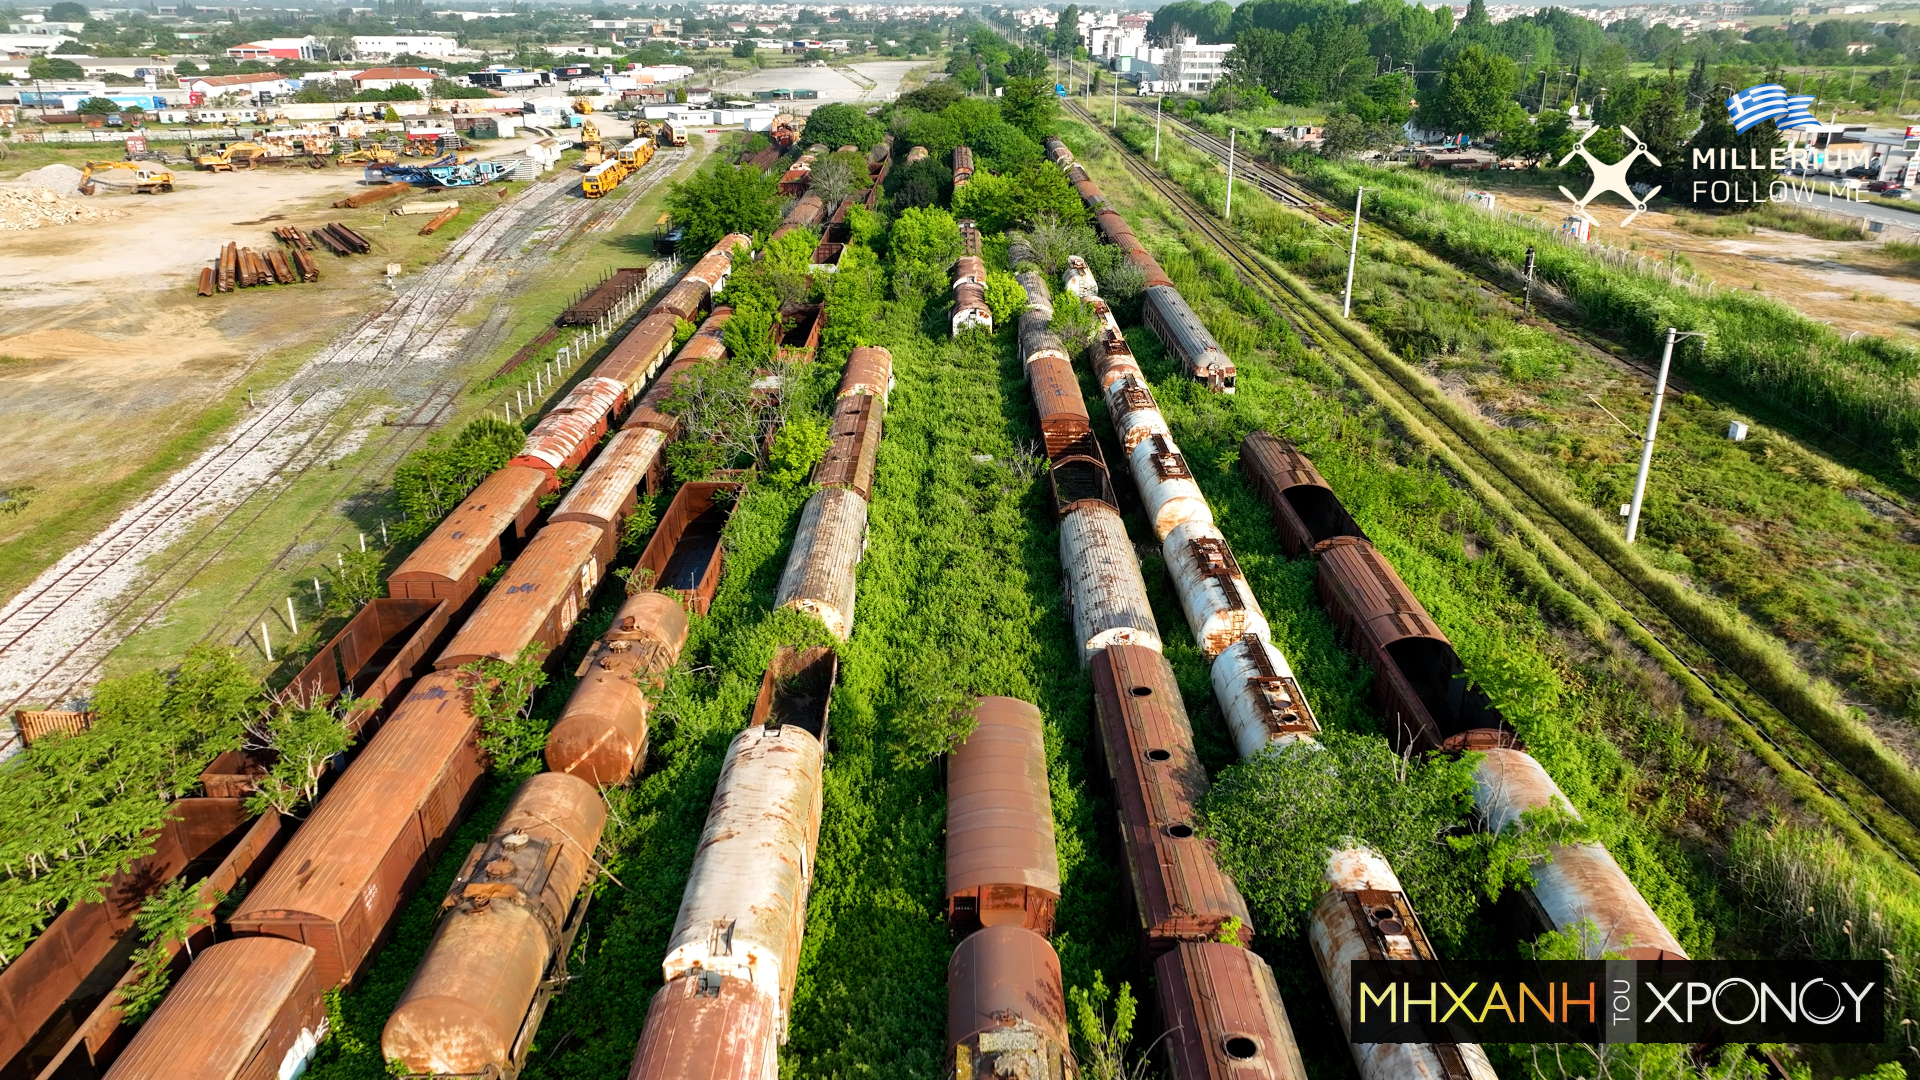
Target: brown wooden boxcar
(538, 599)
(855, 447)
(1304, 507)
(248, 1009)
(1221, 1010)
(1419, 684)
(685, 554)
(1179, 891)
(707, 1026)
(1006, 1010)
(344, 876)
(601, 735)
(449, 563)
(1064, 424)
(1002, 869)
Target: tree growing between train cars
(1101, 1044)
(432, 480)
(167, 918)
(500, 693)
(302, 734)
(722, 199)
(354, 580)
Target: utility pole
(1157, 102)
(1653, 427)
(1353, 253)
(1231, 132)
(1903, 88)
(1116, 100)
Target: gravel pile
(32, 207)
(59, 179)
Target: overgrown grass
(1770, 215)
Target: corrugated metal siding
(854, 450)
(606, 493)
(1004, 994)
(821, 573)
(538, 599)
(1256, 689)
(450, 562)
(970, 269)
(1214, 593)
(1223, 1016)
(1000, 843)
(707, 1028)
(241, 1011)
(1064, 425)
(565, 436)
(869, 371)
(638, 355)
(1108, 593)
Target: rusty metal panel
(449, 563)
(962, 162)
(684, 300)
(1365, 915)
(685, 554)
(601, 734)
(1064, 424)
(1077, 480)
(1262, 701)
(707, 1027)
(1581, 882)
(854, 450)
(1104, 584)
(745, 901)
(797, 689)
(1304, 507)
(821, 576)
(798, 331)
(1214, 593)
(249, 1009)
(1179, 892)
(1002, 869)
(1166, 485)
(638, 355)
(382, 646)
(468, 1006)
(1223, 1016)
(870, 372)
(566, 435)
(1136, 416)
(537, 600)
(1006, 1009)
(606, 493)
(970, 269)
(347, 871)
(970, 310)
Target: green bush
(799, 446)
(432, 480)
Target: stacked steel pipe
(819, 578)
(1219, 1002)
(321, 910)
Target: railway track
(1596, 579)
(54, 634)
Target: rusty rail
(374, 195)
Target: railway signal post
(1653, 427)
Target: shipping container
(1006, 1008)
(1580, 885)
(247, 1009)
(1221, 1010)
(854, 447)
(869, 371)
(1001, 866)
(487, 526)
(1065, 427)
(500, 948)
(1105, 588)
(606, 494)
(1166, 486)
(1168, 315)
(1257, 691)
(821, 573)
(1179, 892)
(568, 433)
(1364, 914)
(744, 908)
(601, 735)
(685, 554)
(1304, 507)
(344, 876)
(537, 600)
(380, 649)
(708, 1026)
(1214, 593)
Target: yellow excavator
(148, 178)
(642, 129)
(239, 155)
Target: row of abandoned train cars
(253, 1005)
(1218, 1004)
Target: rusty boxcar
(707, 343)
(1065, 427)
(1214, 593)
(450, 562)
(475, 1002)
(1166, 485)
(853, 449)
(606, 494)
(1364, 915)
(247, 1009)
(1104, 584)
(1223, 1017)
(962, 165)
(1581, 883)
(685, 554)
(1179, 892)
(1057, 152)
(744, 907)
(1419, 683)
(1304, 507)
(1006, 1008)
(601, 735)
(708, 1026)
(537, 600)
(1262, 701)
(1172, 320)
(916, 154)
(344, 876)
(1001, 865)
(568, 433)
(869, 371)
(970, 310)
(635, 358)
(821, 571)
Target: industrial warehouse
(729, 542)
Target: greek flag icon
(1799, 113)
(1768, 101)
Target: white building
(413, 44)
(1193, 68)
(213, 88)
(386, 78)
(32, 43)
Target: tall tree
(721, 200)
(1473, 93)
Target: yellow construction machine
(148, 178)
(642, 129)
(372, 155)
(582, 105)
(591, 150)
(239, 155)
